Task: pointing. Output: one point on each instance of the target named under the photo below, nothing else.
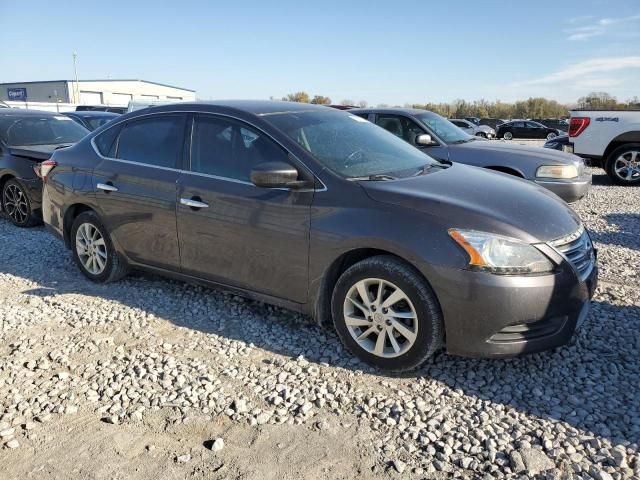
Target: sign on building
(17, 94)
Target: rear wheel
(623, 165)
(17, 206)
(386, 314)
(93, 250)
(507, 136)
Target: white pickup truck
(610, 139)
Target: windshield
(18, 130)
(443, 128)
(349, 145)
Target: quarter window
(156, 140)
(230, 149)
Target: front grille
(529, 331)
(578, 250)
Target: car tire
(481, 134)
(93, 250)
(17, 206)
(551, 135)
(403, 324)
(623, 160)
(507, 136)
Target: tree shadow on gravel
(626, 233)
(591, 384)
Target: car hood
(503, 151)
(37, 152)
(486, 128)
(467, 197)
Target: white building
(92, 92)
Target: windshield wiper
(372, 178)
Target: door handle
(106, 187)
(193, 203)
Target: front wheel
(17, 206)
(508, 136)
(93, 250)
(386, 314)
(623, 165)
(551, 135)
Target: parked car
(526, 129)
(557, 123)
(561, 143)
(91, 120)
(323, 212)
(562, 173)
(3, 105)
(609, 139)
(492, 122)
(27, 138)
(473, 129)
(474, 120)
(101, 108)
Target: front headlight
(557, 171)
(501, 255)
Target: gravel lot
(150, 377)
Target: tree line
(533, 107)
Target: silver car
(471, 128)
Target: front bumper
(568, 190)
(501, 316)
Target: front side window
(349, 145)
(443, 128)
(400, 126)
(230, 149)
(29, 130)
(155, 140)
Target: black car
(91, 119)
(561, 173)
(27, 138)
(492, 122)
(526, 129)
(557, 123)
(321, 211)
(561, 143)
(101, 108)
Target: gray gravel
(146, 344)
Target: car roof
(257, 107)
(397, 110)
(91, 113)
(24, 112)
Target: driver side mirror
(425, 140)
(277, 175)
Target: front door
(231, 231)
(135, 187)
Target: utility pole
(75, 69)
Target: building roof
(102, 80)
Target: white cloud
(586, 70)
(603, 26)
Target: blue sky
(382, 52)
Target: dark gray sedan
(562, 173)
(321, 211)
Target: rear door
(239, 234)
(135, 186)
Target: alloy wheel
(627, 166)
(380, 317)
(91, 248)
(551, 135)
(508, 136)
(15, 203)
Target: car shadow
(625, 233)
(588, 384)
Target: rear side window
(106, 142)
(155, 140)
(230, 149)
